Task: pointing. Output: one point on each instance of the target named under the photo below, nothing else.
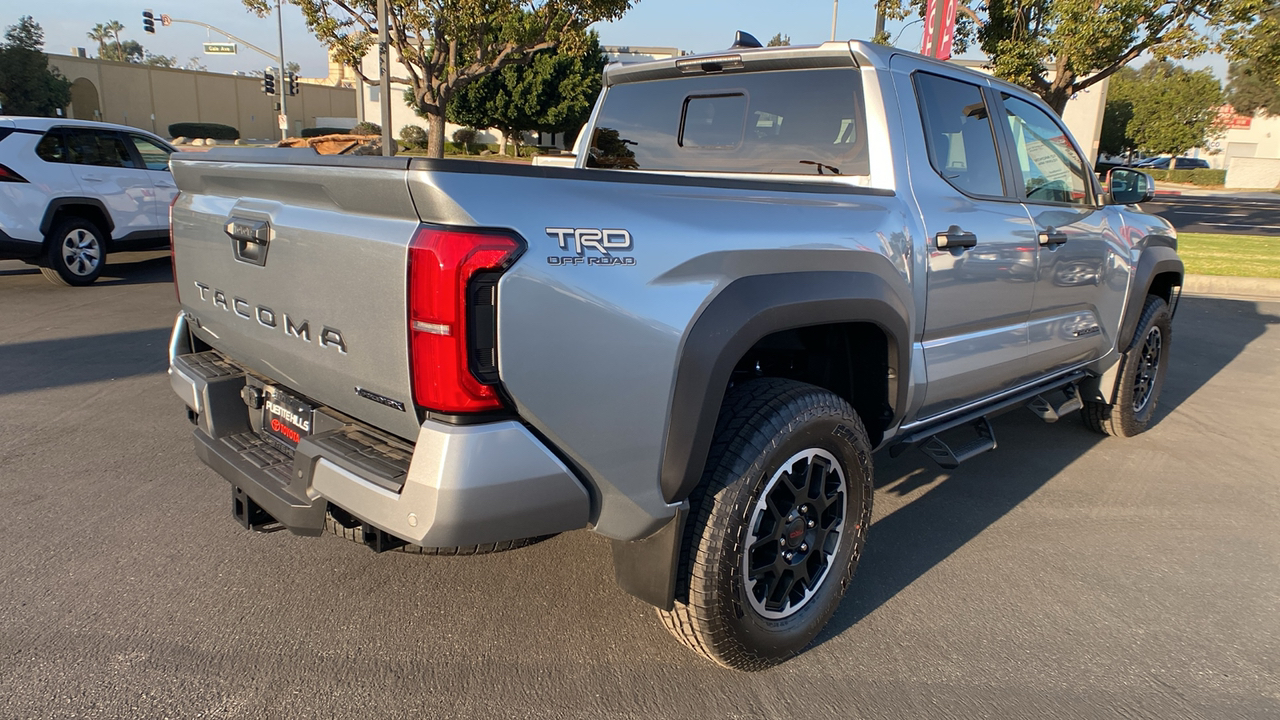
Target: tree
(293, 67)
(1160, 109)
(1253, 87)
(554, 93)
(130, 51)
(111, 47)
(28, 86)
(195, 62)
(778, 40)
(1114, 138)
(165, 61)
(1255, 75)
(445, 45)
(100, 35)
(1057, 48)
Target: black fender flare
(1156, 259)
(744, 312)
(56, 204)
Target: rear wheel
(75, 253)
(1141, 376)
(775, 528)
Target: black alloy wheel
(776, 527)
(794, 533)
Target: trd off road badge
(579, 240)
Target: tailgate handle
(249, 239)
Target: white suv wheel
(74, 253)
(81, 252)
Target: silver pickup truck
(763, 265)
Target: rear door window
(800, 122)
(101, 148)
(959, 135)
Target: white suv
(71, 191)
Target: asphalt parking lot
(1064, 575)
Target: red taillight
(442, 265)
(7, 175)
(173, 249)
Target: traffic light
(269, 81)
(149, 21)
(293, 83)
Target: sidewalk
(1232, 287)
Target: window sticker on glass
(713, 122)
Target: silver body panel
(589, 353)
(336, 259)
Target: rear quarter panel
(589, 352)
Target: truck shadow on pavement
(959, 504)
(137, 268)
(62, 362)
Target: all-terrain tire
(356, 534)
(75, 252)
(763, 427)
(1142, 372)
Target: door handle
(1052, 237)
(954, 237)
(91, 178)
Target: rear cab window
(782, 122)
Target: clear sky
(692, 25)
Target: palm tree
(114, 27)
(99, 34)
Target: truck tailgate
(298, 272)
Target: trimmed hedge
(366, 128)
(1204, 177)
(414, 137)
(318, 131)
(203, 130)
(476, 148)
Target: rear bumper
(13, 248)
(456, 486)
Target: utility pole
(283, 84)
(835, 10)
(384, 79)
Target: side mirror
(1126, 186)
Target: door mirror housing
(1126, 186)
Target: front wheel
(1141, 376)
(775, 528)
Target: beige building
(152, 98)
(1245, 137)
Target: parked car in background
(72, 191)
(1170, 163)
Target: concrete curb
(1223, 286)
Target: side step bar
(949, 459)
(1050, 413)
(979, 419)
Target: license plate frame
(286, 418)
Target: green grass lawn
(1235, 255)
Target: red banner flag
(939, 28)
